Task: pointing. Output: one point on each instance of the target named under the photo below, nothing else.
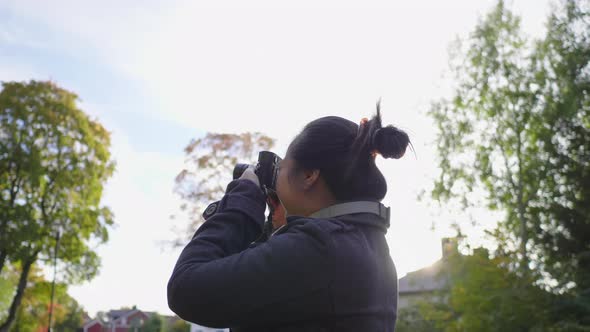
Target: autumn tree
(54, 161)
(33, 313)
(209, 163)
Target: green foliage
(210, 161)
(516, 132)
(489, 297)
(153, 324)
(484, 295)
(484, 136)
(54, 161)
(8, 282)
(412, 319)
(73, 318)
(570, 312)
(562, 232)
(516, 135)
(179, 326)
(58, 159)
(33, 313)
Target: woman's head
(333, 160)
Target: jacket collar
(375, 219)
(352, 207)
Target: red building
(118, 321)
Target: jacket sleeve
(219, 282)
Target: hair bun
(390, 142)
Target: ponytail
(344, 152)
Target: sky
(159, 73)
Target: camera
(266, 169)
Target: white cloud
(224, 66)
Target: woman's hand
(250, 175)
(279, 215)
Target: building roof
(428, 279)
(116, 314)
(91, 322)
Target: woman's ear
(311, 177)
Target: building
(125, 320)
(427, 283)
(117, 321)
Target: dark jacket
(311, 275)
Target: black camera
(266, 169)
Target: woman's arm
(218, 282)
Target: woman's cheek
(280, 187)
(283, 191)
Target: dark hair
(344, 153)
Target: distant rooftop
(427, 279)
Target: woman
(327, 269)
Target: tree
(54, 161)
(33, 313)
(153, 324)
(73, 318)
(210, 161)
(563, 232)
(179, 326)
(8, 281)
(516, 130)
(411, 319)
(485, 141)
(484, 295)
(515, 134)
(563, 76)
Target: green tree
(563, 233)
(485, 295)
(210, 161)
(516, 131)
(54, 161)
(485, 141)
(73, 318)
(179, 326)
(33, 313)
(411, 319)
(515, 135)
(8, 281)
(153, 324)
(563, 76)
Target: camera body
(266, 169)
